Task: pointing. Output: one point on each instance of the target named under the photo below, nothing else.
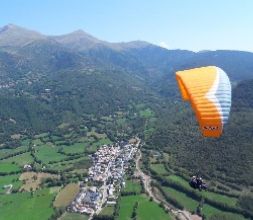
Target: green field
(48, 153)
(94, 134)
(108, 211)
(8, 167)
(23, 206)
(25, 142)
(132, 186)
(101, 142)
(84, 139)
(6, 152)
(55, 138)
(188, 203)
(74, 148)
(9, 179)
(73, 216)
(159, 168)
(69, 135)
(231, 201)
(46, 139)
(191, 204)
(88, 143)
(179, 180)
(146, 209)
(42, 135)
(80, 163)
(208, 211)
(61, 166)
(37, 142)
(60, 142)
(20, 159)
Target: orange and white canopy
(208, 89)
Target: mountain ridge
(27, 35)
(13, 35)
(144, 59)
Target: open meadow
(27, 206)
(145, 210)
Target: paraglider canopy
(208, 89)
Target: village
(105, 177)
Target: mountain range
(142, 58)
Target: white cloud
(164, 45)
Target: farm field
(47, 153)
(82, 163)
(188, 203)
(42, 135)
(6, 152)
(191, 204)
(32, 180)
(60, 166)
(95, 134)
(100, 142)
(9, 179)
(132, 186)
(37, 142)
(209, 211)
(108, 211)
(66, 195)
(146, 209)
(179, 180)
(78, 165)
(73, 216)
(25, 141)
(74, 148)
(159, 169)
(8, 167)
(20, 159)
(231, 201)
(28, 207)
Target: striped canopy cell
(208, 89)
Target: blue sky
(182, 24)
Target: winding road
(180, 214)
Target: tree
(31, 191)
(134, 212)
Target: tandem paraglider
(197, 182)
(208, 89)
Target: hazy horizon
(191, 25)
